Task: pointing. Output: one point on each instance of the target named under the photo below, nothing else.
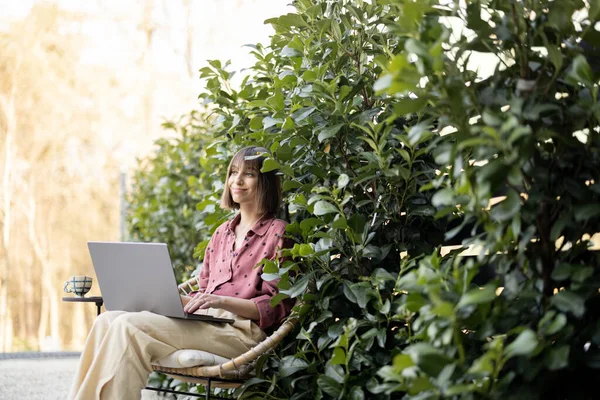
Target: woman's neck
(250, 216)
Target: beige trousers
(121, 347)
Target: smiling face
(243, 183)
(247, 185)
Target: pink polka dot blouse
(231, 272)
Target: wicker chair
(230, 374)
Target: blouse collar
(259, 228)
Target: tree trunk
(30, 304)
(49, 305)
(148, 28)
(8, 106)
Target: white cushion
(189, 358)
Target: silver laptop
(140, 277)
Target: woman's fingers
(200, 302)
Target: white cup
(79, 285)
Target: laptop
(140, 277)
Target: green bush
(530, 131)
(352, 176)
(390, 147)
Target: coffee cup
(79, 285)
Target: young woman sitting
(121, 346)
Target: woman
(121, 346)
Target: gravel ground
(42, 379)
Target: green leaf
(340, 223)
(559, 322)
(290, 185)
(569, 302)
(414, 301)
(329, 385)
(417, 47)
(558, 226)
(339, 356)
(581, 274)
(563, 271)
(269, 122)
(361, 292)
(483, 365)
(323, 207)
(524, 345)
(306, 250)
(329, 132)
(302, 113)
(290, 365)
(410, 106)
(580, 72)
(270, 165)
(443, 309)
(402, 361)
(478, 296)
(256, 123)
(429, 359)
(298, 288)
(442, 198)
(558, 358)
(586, 212)
(308, 224)
(289, 52)
(404, 154)
(356, 393)
(288, 124)
(278, 298)
(555, 56)
(288, 20)
(507, 208)
(383, 83)
(594, 12)
(343, 181)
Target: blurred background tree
(84, 88)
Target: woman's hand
(202, 301)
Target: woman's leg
(122, 361)
(92, 344)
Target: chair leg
(208, 389)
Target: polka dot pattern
(230, 271)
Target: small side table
(94, 299)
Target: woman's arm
(242, 307)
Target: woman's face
(243, 184)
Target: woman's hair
(269, 183)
